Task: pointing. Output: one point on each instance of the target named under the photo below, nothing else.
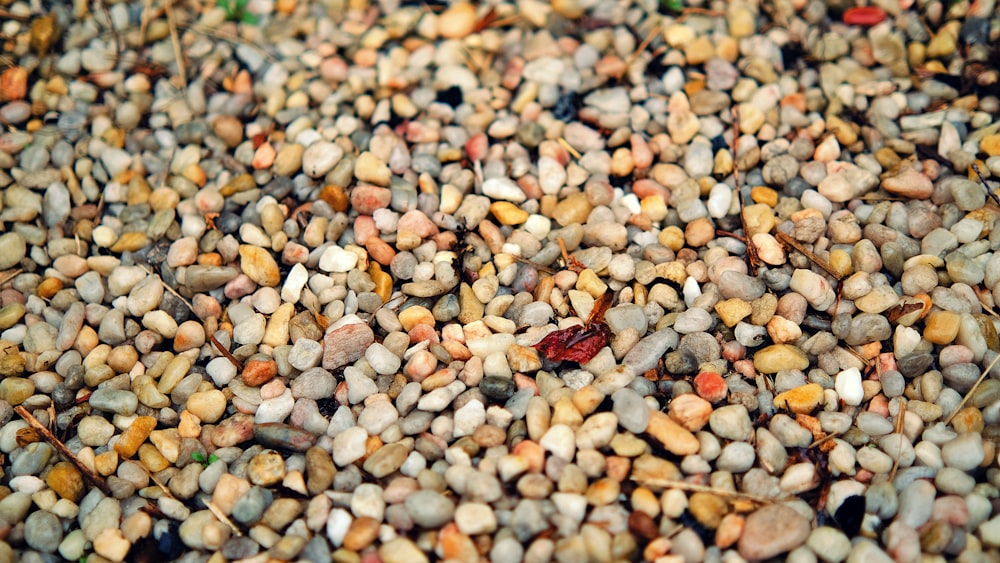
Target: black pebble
(850, 514)
(451, 96)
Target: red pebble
(710, 386)
(864, 15)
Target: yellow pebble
(840, 261)
(942, 327)
(765, 195)
(590, 283)
(990, 144)
(654, 207)
(383, 281)
(508, 213)
(672, 237)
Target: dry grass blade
(693, 488)
(172, 291)
(168, 7)
(11, 276)
(222, 517)
(965, 399)
(34, 423)
(753, 260)
(900, 419)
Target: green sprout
(236, 10)
(200, 458)
(672, 5)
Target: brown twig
(657, 29)
(787, 240)
(572, 264)
(989, 192)
(693, 488)
(534, 265)
(975, 386)
(228, 355)
(49, 437)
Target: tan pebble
(49, 287)
(690, 411)
(672, 237)
(942, 327)
(266, 469)
(362, 533)
(602, 492)
(589, 282)
(130, 242)
(414, 316)
(106, 463)
(259, 265)
(167, 442)
(671, 435)
(288, 160)
(370, 168)
(111, 545)
(708, 509)
(229, 129)
(782, 330)
(457, 21)
(152, 459)
(190, 335)
(732, 311)
(729, 530)
(778, 357)
(699, 232)
(969, 419)
(574, 209)
(228, 491)
(208, 406)
(587, 399)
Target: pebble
(375, 249)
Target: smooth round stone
(43, 531)
(429, 509)
(12, 250)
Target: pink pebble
(365, 199)
(364, 229)
(415, 221)
(710, 386)
(240, 286)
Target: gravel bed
(328, 280)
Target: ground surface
(579, 281)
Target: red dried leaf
(864, 16)
(575, 344)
